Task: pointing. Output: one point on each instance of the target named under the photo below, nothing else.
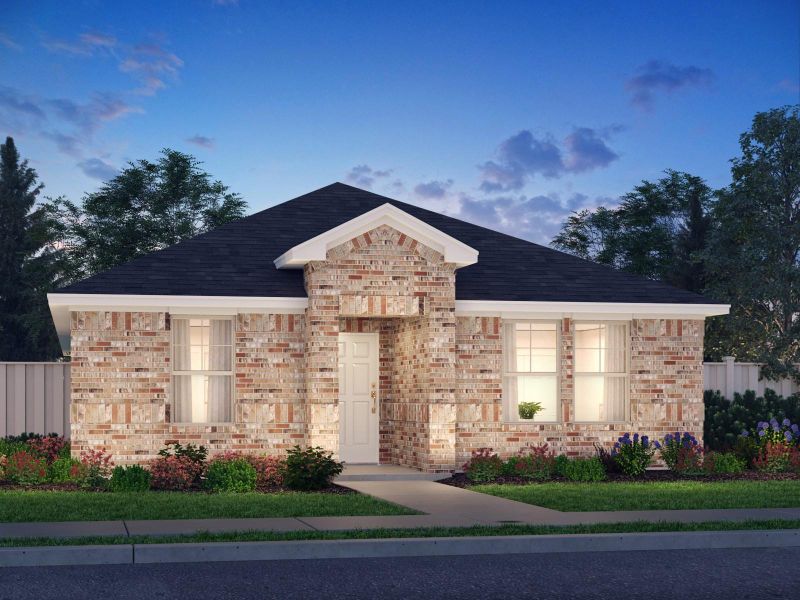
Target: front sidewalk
(443, 505)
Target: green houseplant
(528, 410)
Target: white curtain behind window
(182, 384)
(220, 359)
(614, 362)
(510, 359)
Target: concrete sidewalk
(443, 505)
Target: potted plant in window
(528, 410)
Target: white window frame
(512, 416)
(626, 375)
(205, 372)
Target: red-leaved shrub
(777, 457)
(49, 447)
(23, 467)
(173, 472)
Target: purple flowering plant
(682, 452)
(633, 453)
(774, 432)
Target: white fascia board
(316, 248)
(587, 310)
(62, 304)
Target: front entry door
(358, 397)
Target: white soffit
(587, 310)
(62, 304)
(317, 248)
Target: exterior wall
(121, 386)
(666, 389)
(383, 274)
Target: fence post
(730, 369)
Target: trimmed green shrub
(310, 469)
(133, 478)
(66, 469)
(560, 466)
(11, 445)
(236, 475)
(723, 462)
(584, 469)
(725, 419)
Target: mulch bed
(74, 487)
(652, 476)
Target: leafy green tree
(753, 255)
(657, 231)
(27, 263)
(148, 206)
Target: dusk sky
(502, 113)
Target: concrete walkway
(443, 505)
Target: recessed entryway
(358, 397)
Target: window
(202, 370)
(601, 371)
(531, 368)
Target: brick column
(322, 365)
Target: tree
(753, 255)
(657, 231)
(27, 263)
(148, 206)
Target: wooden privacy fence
(731, 377)
(34, 397)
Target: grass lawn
(36, 505)
(270, 536)
(579, 497)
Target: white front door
(358, 397)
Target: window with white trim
(530, 370)
(601, 371)
(202, 369)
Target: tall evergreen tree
(26, 263)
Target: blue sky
(507, 114)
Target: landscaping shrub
(10, 445)
(97, 465)
(533, 462)
(269, 469)
(561, 463)
(725, 419)
(606, 458)
(49, 447)
(776, 445)
(746, 449)
(776, 457)
(483, 466)
(66, 469)
(26, 468)
(584, 469)
(310, 469)
(173, 473)
(633, 454)
(723, 462)
(230, 475)
(195, 454)
(133, 478)
(3, 465)
(682, 453)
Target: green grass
(672, 495)
(270, 536)
(36, 505)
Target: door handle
(374, 395)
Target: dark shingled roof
(236, 260)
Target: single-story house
(382, 331)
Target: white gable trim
(317, 248)
(587, 310)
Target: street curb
(396, 547)
(453, 546)
(41, 556)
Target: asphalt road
(749, 573)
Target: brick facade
(440, 375)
